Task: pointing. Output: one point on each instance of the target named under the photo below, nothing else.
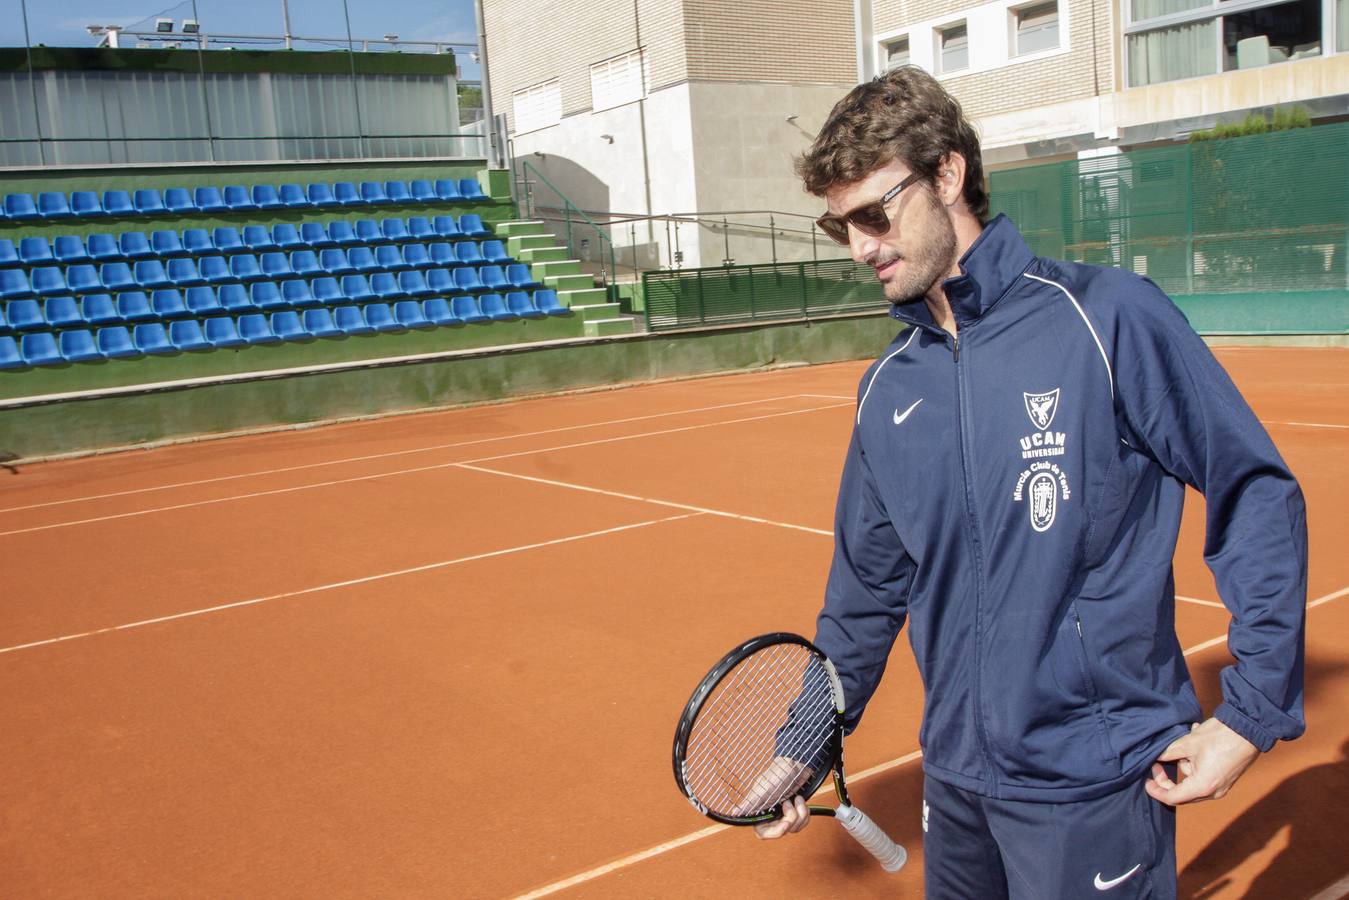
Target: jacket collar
(987, 270)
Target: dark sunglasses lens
(834, 227)
(870, 219)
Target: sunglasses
(869, 219)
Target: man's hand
(1211, 758)
(783, 778)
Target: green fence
(729, 294)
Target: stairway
(531, 243)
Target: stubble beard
(922, 269)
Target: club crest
(1041, 408)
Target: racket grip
(891, 855)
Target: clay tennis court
(442, 655)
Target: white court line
(1303, 424)
(670, 503)
(341, 584)
(591, 874)
(411, 471)
(1201, 602)
(392, 453)
(1336, 891)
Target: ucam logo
(1041, 408)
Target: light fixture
(163, 26)
(95, 30)
(607, 137)
(390, 38)
(190, 26)
(793, 117)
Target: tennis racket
(765, 726)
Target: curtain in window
(1170, 53)
(1150, 9)
(1342, 17)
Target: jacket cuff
(1245, 726)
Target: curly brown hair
(904, 114)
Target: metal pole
(285, 19)
(633, 238)
(669, 248)
(355, 88)
(205, 99)
(726, 234)
(32, 83)
(489, 120)
(566, 212)
(773, 238)
(813, 254)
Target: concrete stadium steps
(530, 242)
(534, 255)
(602, 319)
(519, 228)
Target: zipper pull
(957, 348)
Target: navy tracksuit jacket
(1016, 495)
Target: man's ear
(951, 178)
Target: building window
(537, 106)
(1035, 28)
(616, 81)
(1272, 34)
(896, 52)
(953, 45)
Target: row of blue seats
(184, 272)
(132, 245)
(171, 303)
(118, 341)
(236, 198)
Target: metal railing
(569, 215)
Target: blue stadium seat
(287, 326)
(9, 254)
(350, 320)
(397, 191)
(546, 301)
(287, 237)
(409, 314)
(69, 250)
(395, 230)
(362, 260)
(118, 203)
(14, 283)
(275, 266)
(347, 194)
(83, 279)
(151, 338)
(494, 279)
(234, 298)
(520, 277)
(342, 234)
(258, 239)
(35, 251)
(254, 329)
(10, 357)
(215, 269)
(86, 204)
(197, 242)
(135, 245)
(419, 229)
(103, 248)
(25, 315)
(422, 191)
(40, 349)
(472, 190)
(315, 235)
(149, 273)
(334, 261)
(305, 263)
(320, 195)
(297, 294)
(440, 281)
(227, 240)
(264, 197)
(495, 252)
(4, 325)
(372, 192)
(220, 331)
(183, 271)
(466, 281)
(177, 200)
(62, 312)
(319, 323)
(244, 267)
(202, 300)
(471, 225)
(20, 206)
(148, 201)
(267, 297)
(238, 198)
(379, 317)
(209, 199)
(327, 291)
(293, 196)
(466, 309)
(414, 284)
(53, 205)
(168, 303)
(442, 254)
(369, 232)
(519, 303)
(77, 345)
(438, 311)
(357, 288)
(116, 343)
(385, 285)
(446, 227)
(167, 243)
(49, 281)
(187, 335)
(134, 306)
(415, 255)
(98, 309)
(448, 189)
(494, 307)
(468, 253)
(388, 258)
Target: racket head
(775, 695)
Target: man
(1013, 489)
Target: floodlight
(94, 29)
(163, 26)
(190, 26)
(390, 38)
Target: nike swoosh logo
(1107, 885)
(901, 416)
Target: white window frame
(1014, 13)
(617, 81)
(939, 35)
(884, 49)
(538, 106)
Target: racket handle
(891, 855)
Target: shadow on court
(6, 458)
(894, 800)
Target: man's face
(919, 249)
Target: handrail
(525, 169)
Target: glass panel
(897, 51)
(1170, 53)
(1037, 28)
(1342, 16)
(955, 48)
(1272, 34)
(1150, 9)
